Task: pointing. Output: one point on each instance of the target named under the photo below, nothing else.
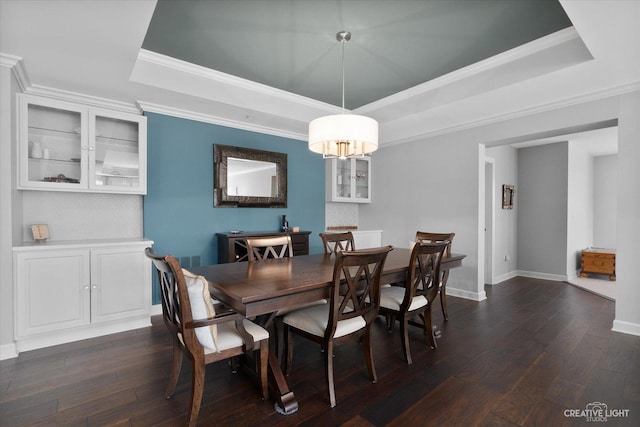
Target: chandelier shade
(343, 135)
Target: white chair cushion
(314, 321)
(393, 296)
(201, 308)
(229, 337)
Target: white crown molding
(230, 80)
(544, 43)
(17, 66)
(206, 118)
(568, 102)
(93, 101)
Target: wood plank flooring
(529, 352)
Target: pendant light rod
(343, 37)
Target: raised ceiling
(100, 52)
(396, 45)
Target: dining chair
(415, 298)
(272, 247)
(427, 237)
(336, 242)
(202, 331)
(262, 248)
(352, 308)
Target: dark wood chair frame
(176, 313)
(424, 269)
(263, 248)
(427, 237)
(355, 291)
(337, 242)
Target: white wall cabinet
(69, 291)
(349, 180)
(72, 147)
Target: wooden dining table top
(255, 288)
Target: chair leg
(368, 354)
(328, 370)
(262, 368)
(175, 369)
(197, 387)
(428, 328)
(404, 337)
(390, 319)
(443, 295)
(234, 364)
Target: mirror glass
(245, 177)
(251, 178)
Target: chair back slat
(263, 248)
(176, 308)
(429, 237)
(424, 271)
(337, 242)
(356, 286)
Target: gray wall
(505, 239)
(542, 208)
(605, 195)
(430, 187)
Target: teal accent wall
(178, 208)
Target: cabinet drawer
(599, 263)
(598, 256)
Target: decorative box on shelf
(599, 261)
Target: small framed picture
(508, 191)
(40, 232)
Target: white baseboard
(542, 276)
(156, 309)
(76, 334)
(462, 293)
(626, 327)
(8, 351)
(501, 278)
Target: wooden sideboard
(232, 247)
(599, 261)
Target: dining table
(259, 290)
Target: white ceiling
(94, 48)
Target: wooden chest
(599, 261)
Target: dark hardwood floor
(529, 352)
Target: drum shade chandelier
(343, 135)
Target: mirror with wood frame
(246, 177)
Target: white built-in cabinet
(349, 180)
(76, 290)
(72, 147)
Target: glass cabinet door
(53, 147)
(349, 180)
(361, 178)
(116, 153)
(343, 178)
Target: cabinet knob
(91, 148)
(94, 287)
(86, 288)
(84, 147)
